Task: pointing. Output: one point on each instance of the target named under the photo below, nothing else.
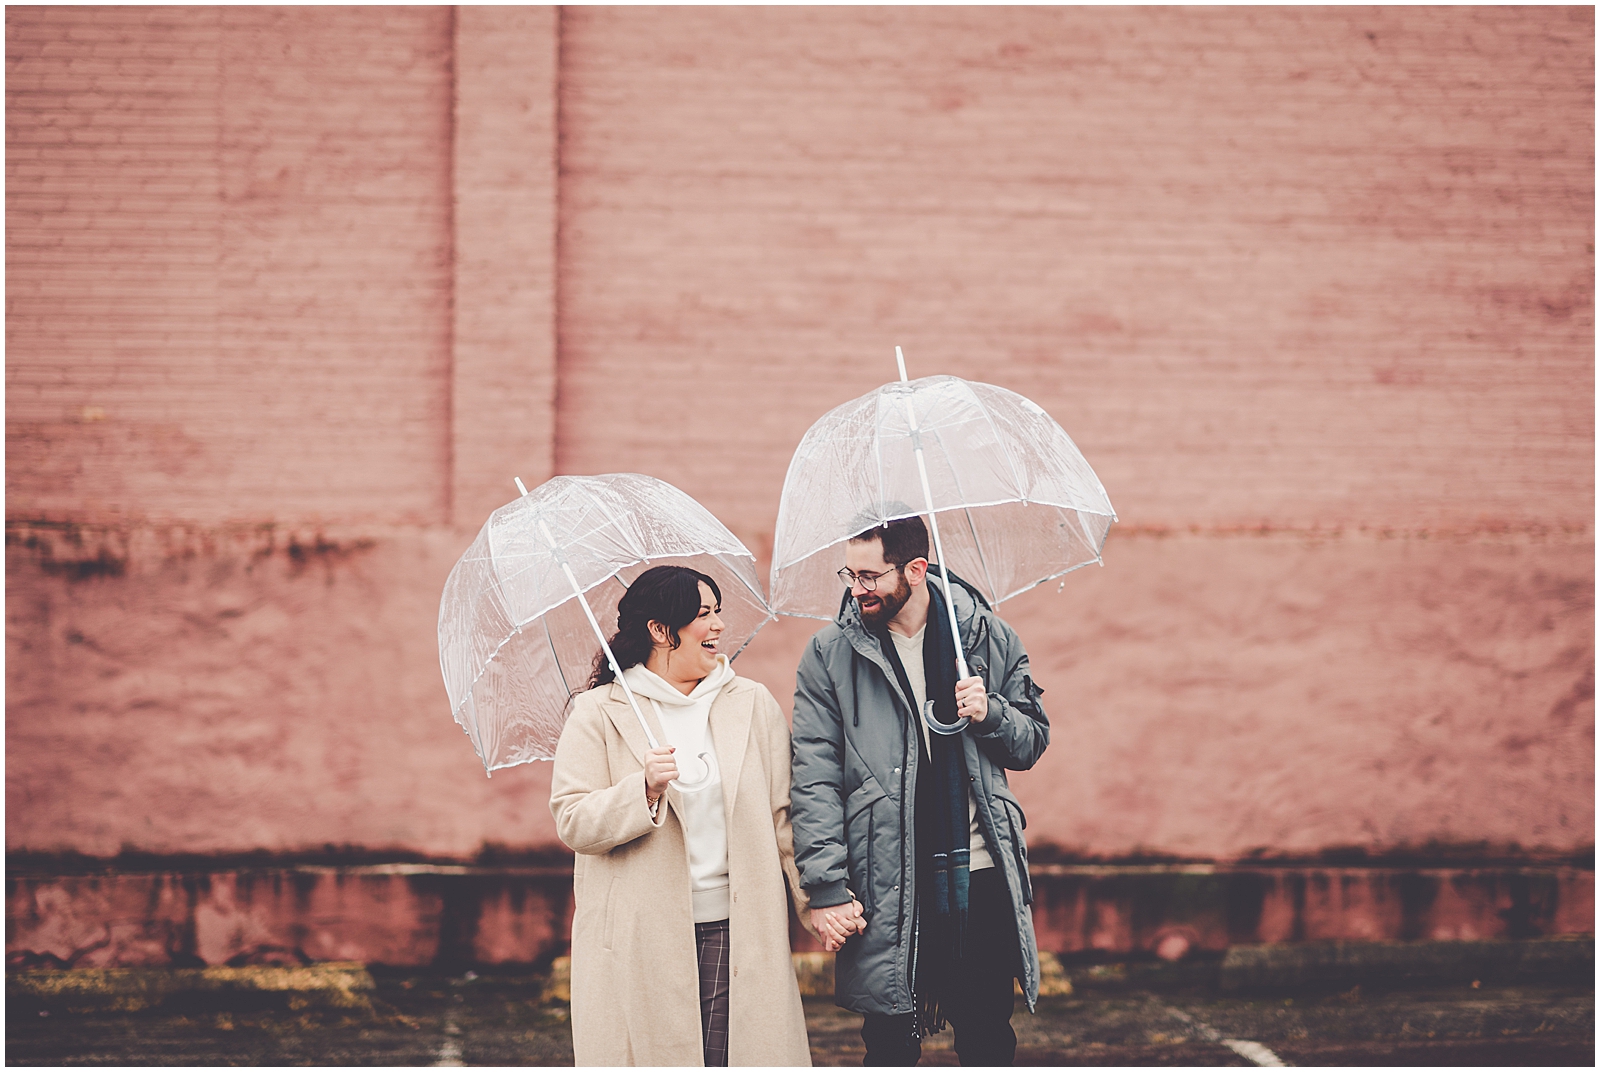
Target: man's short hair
(903, 539)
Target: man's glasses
(867, 581)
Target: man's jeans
(980, 1009)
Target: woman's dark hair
(666, 594)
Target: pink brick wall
(1324, 272)
(293, 293)
(1287, 267)
(228, 295)
(503, 374)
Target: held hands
(659, 769)
(971, 701)
(837, 923)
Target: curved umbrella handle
(946, 729)
(704, 780)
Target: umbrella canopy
(1016, 503)
(515, 641)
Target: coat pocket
(1019, 845)
(860, 830)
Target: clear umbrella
(519, 621)
(1010, 499)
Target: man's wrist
(990, 723)
(828, 895)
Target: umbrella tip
(900, 359)
(521, 489)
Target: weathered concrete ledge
(1175, 910)
(406, 915)
(452, 917)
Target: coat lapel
(730, 723)
(621, 715)
(730, 733)
(866, 645)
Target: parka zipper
(908, 875)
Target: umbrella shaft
(611, 656)
(938, 544)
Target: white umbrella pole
(611, 658)
(933, 520)
(587, 613)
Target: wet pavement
(415, 1019)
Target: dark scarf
(942, 823)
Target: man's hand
(971, 700)
(659, 769)
(837, 923)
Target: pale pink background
(292, 294)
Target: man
(909, 841)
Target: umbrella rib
(1043, 580)
(967, 510)
(1097, 545)
(1004, 449)
(977, 545)
(555, 657)
(761, 600)
(493, 655)
(606, 509)
(468, 725)
(1088, 537)
(910, 513)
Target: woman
(680, 934)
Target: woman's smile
(680, 665)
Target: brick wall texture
(292, 293)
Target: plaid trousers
(712, 941)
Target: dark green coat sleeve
(1015, 732)
(816, 792)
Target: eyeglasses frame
(856, 577)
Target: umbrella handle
(701, 782)
(682, 785)
(947, 729)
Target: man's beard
(889, 603)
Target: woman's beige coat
(635, 975)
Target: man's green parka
(856, 753)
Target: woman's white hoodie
(686, 724)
